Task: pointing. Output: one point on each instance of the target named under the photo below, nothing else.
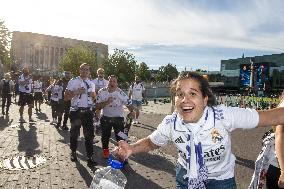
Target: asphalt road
(155, 170)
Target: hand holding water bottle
(123, 150)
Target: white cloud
(128, 24)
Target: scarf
(197, 172)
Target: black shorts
(25, 99)
(38, 96)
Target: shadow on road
(5, 121)
(28, 139)
(245, 162)
(137, 181)
(42, 116)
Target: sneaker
(105, 153)
(91, 162)
(73, 156)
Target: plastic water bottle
(109, 177)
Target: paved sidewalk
(43, 139)
(155, 170)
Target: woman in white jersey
(201, 133)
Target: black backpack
(6, 87)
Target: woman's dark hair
(203, 85)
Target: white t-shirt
(114, 109)
(37, 86)
(56, 92)
(84, 100)
(213, 131)
(100, 83)
(26, 88)
(137, 90)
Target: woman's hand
(122, 151)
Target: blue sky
(190, 34)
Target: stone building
(42, 53)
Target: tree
(5, 40)
(201, 71)
(143, 72)
(122, 64)
(75, 56)
(167, 73)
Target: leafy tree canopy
(143, 72)
(121, 64)
(5, 40)
(167, 73)
(74, 57)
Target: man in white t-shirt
(137, 94)
(38, 96)
(100, 82)
(26, 96)
(81, 92)
(111, 100)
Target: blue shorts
(137, 104)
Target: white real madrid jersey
(114, 109)
(137, 90)
(213, 131)
(37, 86)
(100, 83)
(27, 88)
(83, 100)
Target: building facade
(42, 53)
(273, 77)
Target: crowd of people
(199, 126)
(96, 105)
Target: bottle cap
(116, 164)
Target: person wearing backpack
(6, 89)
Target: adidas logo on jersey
(179, 140)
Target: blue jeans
(210, 184)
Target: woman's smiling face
(189, 101)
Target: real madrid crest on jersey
(216, 137)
